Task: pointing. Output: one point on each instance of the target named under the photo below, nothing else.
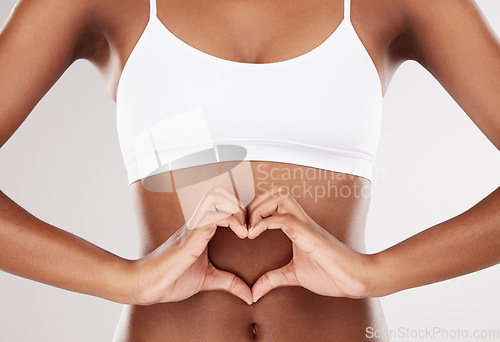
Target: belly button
(254, 330)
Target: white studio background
(64, 166)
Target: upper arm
(38, 42)
(453, 41)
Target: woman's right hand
(180, 268)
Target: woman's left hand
(320, 262)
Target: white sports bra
(176, 104)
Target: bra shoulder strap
(152, 9)
(347, 9)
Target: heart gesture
(180, 268)
(320, 262)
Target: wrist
(378, 277)
(123, 285)
(141, 288)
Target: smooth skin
(324, 265)
(464, 58)
(180, 267)
(320, 262)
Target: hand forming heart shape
(180, 267)
(320, 262)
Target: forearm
(33, 249)
(461, 245)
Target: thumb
(283, 276)
(217, 279)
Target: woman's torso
(336, 201)
(252, 32)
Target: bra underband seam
(174, 147)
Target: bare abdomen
(285, 313)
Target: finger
(199, 236)
(228, 194)
(214, 201)
(227, 207)
(211, 220)
(283, 276)
(286, 222)
(220, 202)
(266, 194)
(241, 216)
(221, 280)
(301, 234)
(280, 203)
(241, 212)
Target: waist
(337, 202)
(284, 314)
